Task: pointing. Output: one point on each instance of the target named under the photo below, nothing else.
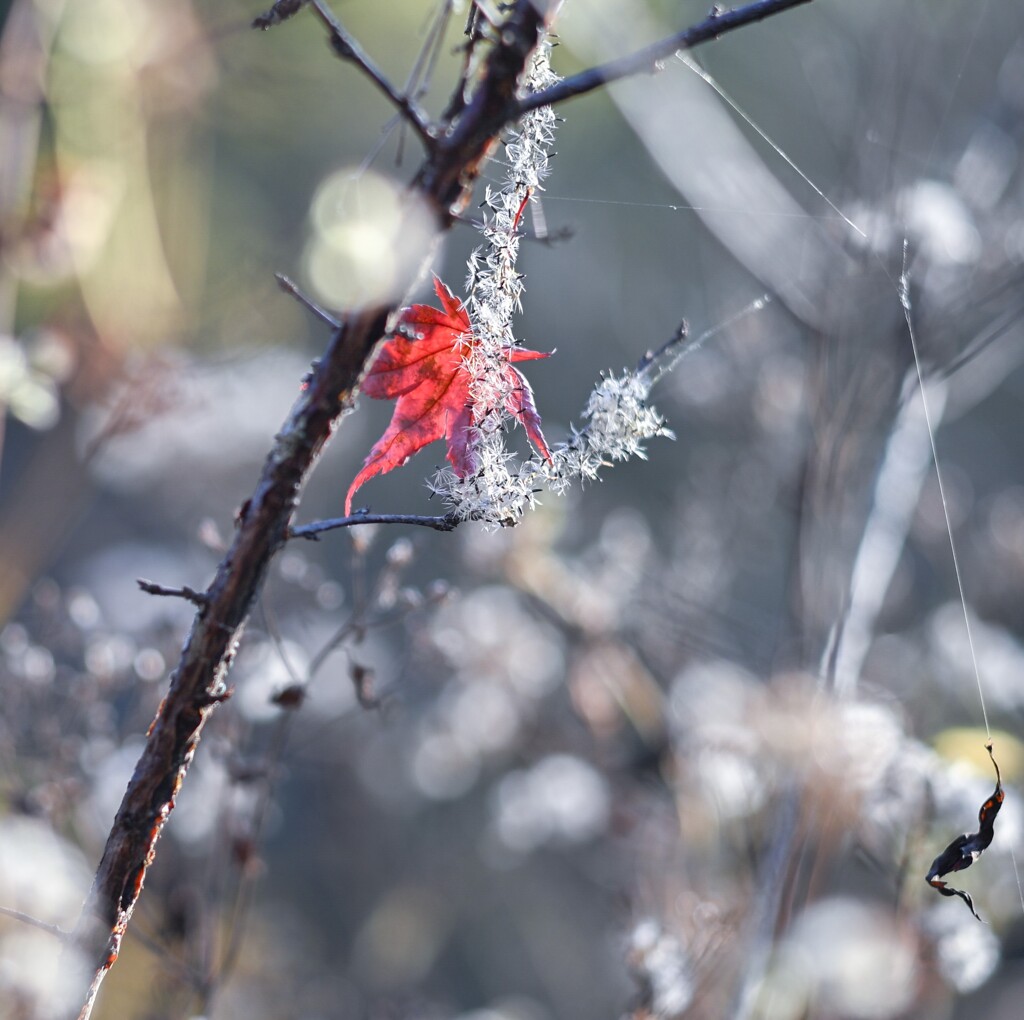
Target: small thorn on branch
(197, 598)
(289, 286)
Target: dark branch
(717, 23)
(653, 358)
(196, 686)
(317, 528)
(345, 47)
(197, 598)
(281, 11)
(290, 287)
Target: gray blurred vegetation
(680, 745)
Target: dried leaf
(966, 849)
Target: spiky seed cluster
(618, 419)
(618, 424)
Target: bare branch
(197, 598)
(290, 287)
(649, 58)
(348, 49)
(317, 528)
(51, 929)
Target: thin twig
(197, 598)
(289, 286)
(426, 62)
(457, 101)
(652, 358)
(317, 528)
(51, 929)
(654, 365)
(348, 49)
(650, 57)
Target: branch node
(217, 696)
(197, 598)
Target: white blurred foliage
(491, 637)
(505, 662)
(203, 803)
(514, 1008)
(369, 237)
(660, 964)
(967, 953)
(40, 873)
(562, 799)
(402, 938)
(267, 668)
(987, 166)
(712, 697)
(44, 876)
(1000, 657)
(866, 741)
(732, 782)
(939, 223)
(234, 405)
(38, 978)
(110, 769)
(441, 768)
(844, 959)
(28, 392)
(745, 741)
(36, 665)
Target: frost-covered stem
(499, 491)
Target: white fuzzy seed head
(619, 421)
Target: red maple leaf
(422, 366)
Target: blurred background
(684, 743)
